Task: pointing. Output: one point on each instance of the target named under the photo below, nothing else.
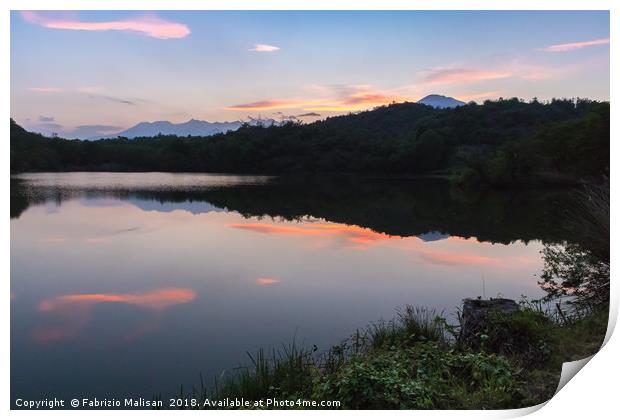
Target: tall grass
(410, 362)
(290, 371)
(283, 372)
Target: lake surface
(130, 285)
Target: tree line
(508, 141)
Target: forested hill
(499, 142)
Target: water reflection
(266, 281)
(120, 274)
(74, 311)
(429, 209)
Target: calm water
(129, 285)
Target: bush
(425, 376)
(526, 335)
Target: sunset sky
(96, 73)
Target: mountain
(189, 128)
(440, 101)
(433, 236)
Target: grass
(414, 362)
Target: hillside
(499, 142)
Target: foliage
(412, 324)
(410, 363)
(574, 272)
(424, 376)
(580, 271)
(526, 335)
(505, 141)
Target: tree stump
(476, 312)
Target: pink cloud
(266, 281)
(456, 259)
(267, 104)
(152, 26)
(45, 89)
(75, 311)
(575, 45)
(264, 48)
(442, 76)
(157, 299)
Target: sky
(93, 73)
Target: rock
(476, 312)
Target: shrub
(425, 376)
(526, 335)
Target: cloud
(264, 48)
(94, 130)
(575, 45)
(98, 127)
(308, 114)
(45, 119)
(47, 89)
(51, 126)
(481, 95)
(445, 76)
(118, 100)
(334, 98)
(267, 104)
(150, 25)
(266, 281)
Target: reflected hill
(427, 208)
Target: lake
(133, 284)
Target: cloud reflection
(75, 310)
(357, 236)
(266, 281)
(455, 259)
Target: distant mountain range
(189, 128)
(205, 128)
(440, 101)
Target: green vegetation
(499, 142)
(416, 361)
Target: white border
(593, 394)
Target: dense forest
(508, 141)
